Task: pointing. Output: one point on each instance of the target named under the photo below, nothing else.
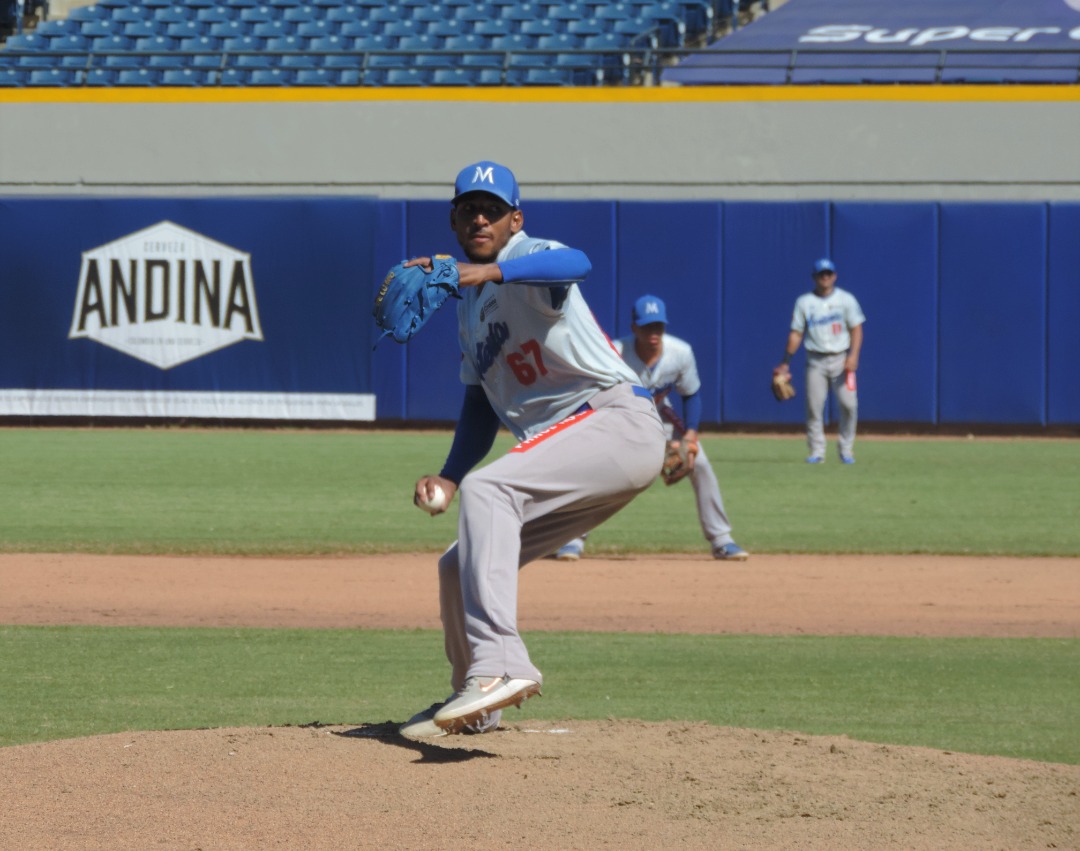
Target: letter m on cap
(651, 307)
(484, 175)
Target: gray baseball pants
(823, 372)
(525, 505)
(710, 505)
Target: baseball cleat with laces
(422, 725)
(480, 698)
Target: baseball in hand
(437, 502)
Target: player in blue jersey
(665, 365)
(535, 360)
(832, 322)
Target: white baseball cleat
(481, 697)
(422, 725)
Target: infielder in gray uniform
(535, 360)
(831, 320)
(665, 364)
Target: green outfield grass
(1012, 697)
(255, 492)
(310, 492)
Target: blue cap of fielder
(486, 176)
(823, 265)
(648, 309)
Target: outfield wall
(260, 307)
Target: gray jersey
(826, 322)
(676, 370)
(538, 362)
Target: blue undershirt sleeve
(475, 433)
(555, 267)
(691, 408)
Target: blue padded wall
(886, 256)
(1063, 312)
(672, 250)
(993, 313)
(768, 251)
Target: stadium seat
(406, 77)
(298, 61)
(356, 28)
(27, 41)
(137, 77)
(213, 15)
(172, 59)
(522, 12)
(564, 13)
(454, 77)
(183, 29)
(342, 14)
(387, 60)
(232, 77)
(285, 44)
(372, 42)
(428, 14)
(171, 15)
(491, 77)
(92, 12)
(184, 77)
(310, 30)
(562, 41)
(57, 29)
(12, 77)
(514, 41)
(258, 15)
(270, 77)
(258, 60)
(315, 77)
(155, 44)
(547, 77)
(402, 29)
(242, 44)
(538, 28)
(466, 41)
(69, 42)
(99, 77)
(350, 77)
(343, 61)
(132, 14)
(585, 69)
(493, 59)
(476, 12)
(50, 77)
(297, 14)
(98, 29)
(228, 29)
(202, 44)
(122, 60)
(271, 29)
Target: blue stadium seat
(202, 44)
(140, 29)
(57, 29)
(154, 44)
(476, 12)
(185, 77)
(585, 69)
(384, 14)
(406, 77)
(564, 13)
(671, 27)
(257, 60)
(333, 43)
(283, 4)
(297, 61)
(614, 12)
(466, 41)
(271, 29)
(494, 59)
(491, 29)
(137, 77)
(342, 14)
(372, 42)
(228, 29)
(315, 77)
(12, 77)
(99, 29)
(35, 59)
(242, 43)
(562, 41)
(387, 60)
(448, 28)
(524, 61)
(357, 29)
(428, 14)
(172, 59)
(538, 28)
(122, 60)
(69, 42)
(270, 77)
(296, 14)
(259, 14)
(314, 29)
(418, 42)
(198, 4)
(131, 14)
(350, 77)
(326, 5)
(284, 43)
(454, 77)
(402, 29)
(92, 12)
(339, 61)
(514, 41)
(99, 77)
(232, 77)
(214, 15)
(27, 41)
(491, 77)
(586, 27)
(174, 14)
(523, 12)
(184, 29)
(547, 77)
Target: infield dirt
(611, 784)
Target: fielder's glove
(677, 464)
(782, 388)
(409, 296)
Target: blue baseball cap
(649, 309)
(823, 265)
(486, 176)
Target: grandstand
(364, 42)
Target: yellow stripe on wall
(637, 94)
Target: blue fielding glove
(409, 297)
